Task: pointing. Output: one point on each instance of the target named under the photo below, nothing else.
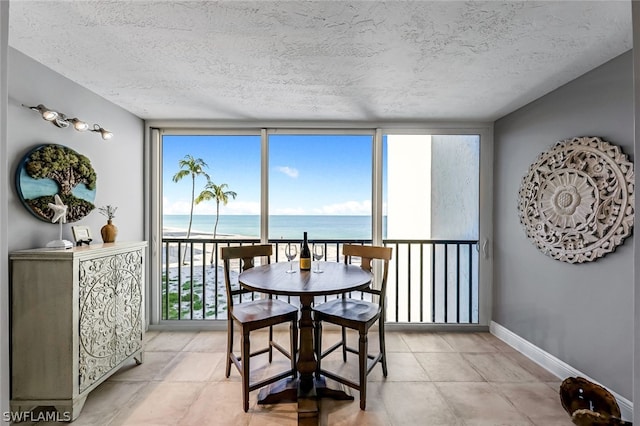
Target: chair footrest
(372, 360)
(258, 352)
(281, 349)
(353, 351)
(371, 363)
(331, 349)
(252, 354)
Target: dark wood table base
(287, 390)
(307, 389)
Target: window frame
(153, 176)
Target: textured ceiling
(321, 60)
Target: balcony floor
(434, 378)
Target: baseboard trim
(556, 366)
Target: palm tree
(215, 192)
(191, 167)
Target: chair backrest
(367, 254)
(246, 255)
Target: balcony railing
(430, 281)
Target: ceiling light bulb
(106, 135)
(47, 114)
(79, 125)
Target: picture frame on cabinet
(81, 235)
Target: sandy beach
(331, 250)
(198, 257)
(182, 233)
(196, 274)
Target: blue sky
(309, 174)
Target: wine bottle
(305, 255)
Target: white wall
(118, 162)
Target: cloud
(292, 173)
(241, 207)
(235, 207)
(176, 207)
(289, 211)
(253, 208)
(346, 208)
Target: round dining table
(335, 278)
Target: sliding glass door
(417, 192)
(431, 194)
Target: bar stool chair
(254, 315)
(357, 315)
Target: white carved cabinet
(77, 315)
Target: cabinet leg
(71, 412)
(139, 359)
(46, 411)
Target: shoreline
(199, 257)
(202, 251)
(182, 233)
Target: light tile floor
(434, 379)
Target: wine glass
(291, 251)
(318, 254)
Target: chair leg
(229, 346)
(246, 350)
(294, 348)
(318, 345)
(362, 364)
(344, 344)
(383, 349)
(270, 344)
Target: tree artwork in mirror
(52, 169)
(576, 202)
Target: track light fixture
(59, 119)
(106, 135)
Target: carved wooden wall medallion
(576, 202)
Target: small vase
(109, 232)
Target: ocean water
(280, 226)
